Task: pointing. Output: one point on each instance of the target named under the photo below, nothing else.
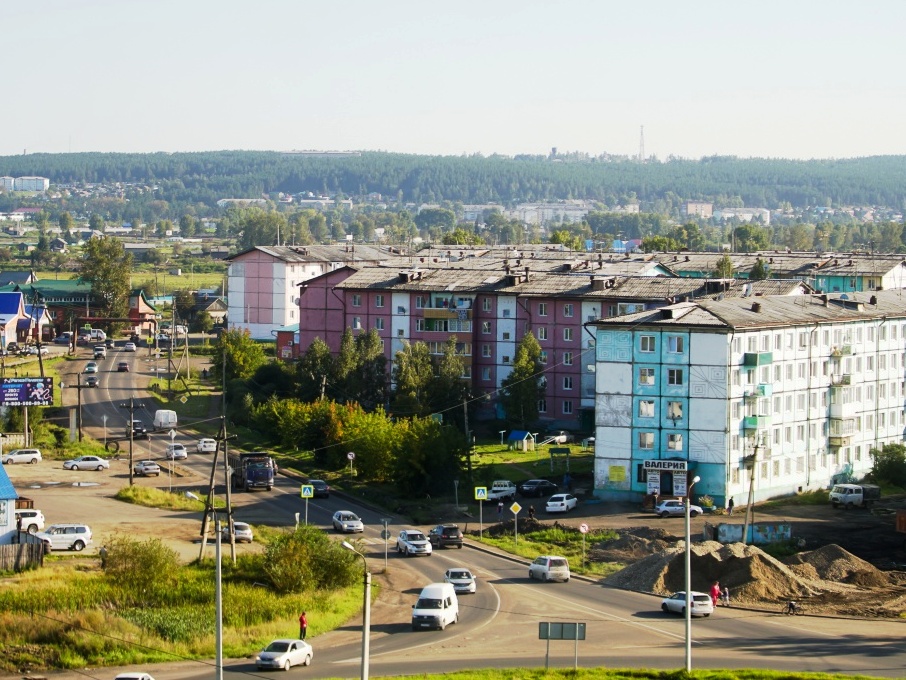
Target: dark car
(122, 367)
(92, 381)
(13, 347)
(444, 535)
(321, 488)
(138, 430)
(536, 488)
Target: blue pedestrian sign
(481, 493)
(308, 491)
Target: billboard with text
(26, 391)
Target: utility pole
(750, 463)
(131, 407)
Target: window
(486, 304)
(567, 382)
(675, 410)
(356, 300)
(542, 406)
(675, 376)
(420, 324)
(803, 340)
(800, 433)
(646, 343)
(675, 344)
(788, 435)
(567, 358)
(646, 376)
(506, 359)
(486, 327)
(419, 302)
(506, 335)
(542, 309)
(646, 409)
(542, 333)
(568, 309)
(675, 442)
(486, 373)
(379, 324)
(485, 350)
(646, 440)
(542, 357)
(357, 323)
(567, 407)
(378, 300)
(567, 335)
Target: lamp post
(695, 481)
(366, 616)
(131, 406)
(78, 388)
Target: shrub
(307, 559)
(142, 571)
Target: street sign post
(307, 491)
(385, 534)
(515, 508)
(481, 495)
(351, 457)
(555, 630)
(583, 529)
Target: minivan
(549, 568)
(164, 419)
(97, 335)
(436, 607)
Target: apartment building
(777, 394)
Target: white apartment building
(31, 184)
(778, 394)
(7, 183)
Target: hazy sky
(794, 79)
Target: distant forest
(200, 179)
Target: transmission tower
(642, 145)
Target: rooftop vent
(756, 307)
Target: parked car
(676, 604)
(13, 347)
(34, 350)
(321, 488)
(91, 367)
(549, 568)
(122, 367)
(86, 463)
(32, 521)
(206, 446)
(284, 654)
(462, 579)
(241, 530)
(412, 542)
(130, 347)
(561, 502)
(92, 381)
(177, 452)
(536, 488)
(133, 676)
(63, 339)
(31, 456)
(444, 535)
(66, 536)
(147, 468)
(347, 522)
(558, 437)
(675, 508)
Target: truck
(502, 490)
(252, 470)
(854, 495)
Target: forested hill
(208, 176)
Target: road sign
(481, 493)
(385, 534)
(515, 508)
(583, 528)
(556, 630)
(350, 455)
(308, 491)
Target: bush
(889, 465)
(142, 571)
(306, 560)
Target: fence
(19, 556)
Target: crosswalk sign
(481, 493)
(308, 491)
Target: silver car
(66, 536)
(86, 463)
(241, 530)
(462, 579)
(285, 654)
(31, 456)
(675, 508)
(147, 468)
(347, 522)
(550, 568)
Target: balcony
(762, 390)
(841, 351)
(840, 440)
(755, 359)
(446, 313)
(841, 379)
(756, 422)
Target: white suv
(66, 536)
(22, 456)
(413, 542)
(32, 521)
(206, 446)
(549, 568)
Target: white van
(164, 419)
(97, 335)
(437, 607)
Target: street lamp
(695, 480)
(366, 616)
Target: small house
(521, 440)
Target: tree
(525, 386)
(751, 238)
(461, 237)
(435, 217)
(96, 222)
(724, 268)
(243, 356)
(759, 271)
(889, 464)
(108, 268)
(369, 379)
(448, 389)
(316, 371)
(188, 226)
(652, 244)
(413, 372)
(66, 223)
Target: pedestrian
(726, 601)
(531, 512)
(567, 482)
(730, 506)
(303, 626)
(500, 511)
(103, 555)
(715, 593)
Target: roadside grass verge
(629, 674)
(156, 498)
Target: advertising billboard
(26, 391)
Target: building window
(506, 359)
(675, 442)
(675, 410)
(542, 406)
(646, 409)
(542, 357)
(675, 376)
(420, 325)
(485, 350)
(567, 382)
(646, 440)
(486, 327)
(567, 407)
(542, 333)
(379, 324)
(567, 335)
(486, 304)
(646, 343)
(675, 344)
(357, 323)
(646, 376)
(419, 302)
(506, 335)
(542, 309)
(378, 300)
(486, 373)
(567, 358)
(356, 300)
(568, 309)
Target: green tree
(889, 464)
(759, 271)
(435, 217)
(653, 244)
(449, 389)
(428, 458)
(243, 356)
(724, 268)
(316, 372)
(568, 239)
(306, 561)
(525, 386)
(66, 223)
(96, 222)
(413, 372)
(368, 382)
(203, 323)
(188, 226)
(142, 571)
(107, 267)
(461, 237)
(751, 238)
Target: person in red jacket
(715, 593)
(303, 626)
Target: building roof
(7, 491)
(7, 277)
(322, 254)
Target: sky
(791, 79)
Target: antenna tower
(642, 144)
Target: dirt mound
(631, 545)
(833, 563)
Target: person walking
(726, 598)
(715, 593)
(500, 511)
(303, 626)
(531, 512)
(730, 506)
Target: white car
(284, 654)
(675, 508)
(133, 676)
(91, 367)
(31, 521)
(177, 452)
(241, 530)
(676, 604)
(66, 536)
(34, 350)
(413, 542)
(561, 502)
(206, 446)
(550, 568)
(462, 579)
(31, 456)
(147, 468)
(86, 463)
(129, 347)
(347, 522)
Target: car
(133, 676)
(30, 456)
(163, 340)
(86, 463)
(676, 604)
(92, 381)
(30, 520)
(241, 530)
(63, 339)
(321, 488)
(100, 352)
(177, 452)
(444, 535)
(147, 468)
(83, 340)
(561, 502)
(284, 654)
(347, 522)
(130, 347)
(206, 446)
(536, 488)
(136, 429)
(462, 579)
(122, 367)
(412, 542)
(91, 367)
(66, 536)
(34, 350)
(550, 568)
(558, 437)
(675, 508)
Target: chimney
(597, 284)
(873, 300)
(526, 273)
(756, 307)
(687, 258)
